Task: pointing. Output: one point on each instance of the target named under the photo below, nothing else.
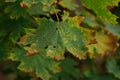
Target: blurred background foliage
(102, 61)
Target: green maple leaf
(55, 37)
(39, 63)
(100, 8)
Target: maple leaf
(54, 37)
(39, 63)
(100, 8)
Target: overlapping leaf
(66, 73)
(106, 44)
(40, 64)
(100, 8)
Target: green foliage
(74, 43)
(10, 0)
(113, 67)
(100, 8)
(71, 4)
(40, 64)
(61, 39)
(93, 75)
(67, 73)
(113, 29)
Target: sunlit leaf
(106, 44)
(100, 8)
